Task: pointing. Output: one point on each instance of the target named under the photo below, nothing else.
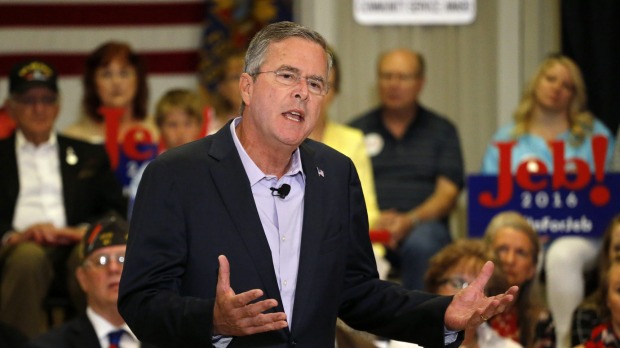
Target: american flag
(167, 33)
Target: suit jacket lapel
(311, 234)
(232, 182)
(68, 174)
(83, 334)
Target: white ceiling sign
(414, 12)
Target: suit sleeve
(384, 308)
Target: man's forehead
(108, 250)
(282, 52)
(398, 59)
(386, 66)
(38, 90)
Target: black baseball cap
(32, 73)
(108, 231)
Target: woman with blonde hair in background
(553, 109)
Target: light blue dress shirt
(281, 218)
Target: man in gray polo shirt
(417, 163)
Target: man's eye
(287, 76)
(315, 84)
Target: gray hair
(277, 32)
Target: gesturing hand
(233, 314)
(470, 307)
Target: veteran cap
(32, 73)
(109, 231)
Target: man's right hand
(235, 315)
(46, 234)
(399, 224)
(43, 234)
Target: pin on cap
(32, 73)
(109, 231)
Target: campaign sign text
(575, 202)
(137, 146)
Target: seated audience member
(115, 78)
(347, 140)
(178, 117)
(553, 108)
(607, 331)
(102, 257)
(453, 268)
(417, 164)
(50, 186)
(590, 312)
(516, 247)
(226, 102)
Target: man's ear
(81, 278)
(421, 83)
(246, 86)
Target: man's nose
(301, 89)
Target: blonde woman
(553, 109)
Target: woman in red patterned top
(516, 246)
(606, 334)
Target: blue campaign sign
(128, 165)
(557, 207)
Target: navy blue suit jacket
(195, 203)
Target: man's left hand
(470, 307)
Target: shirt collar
(254, 173)
(103, 327)
(21, 142)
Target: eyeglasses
(31, 101)
(385, 77)
(105, 259)
(291, 78)
(455, 282)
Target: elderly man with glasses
(51, 187)
(102, 258)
